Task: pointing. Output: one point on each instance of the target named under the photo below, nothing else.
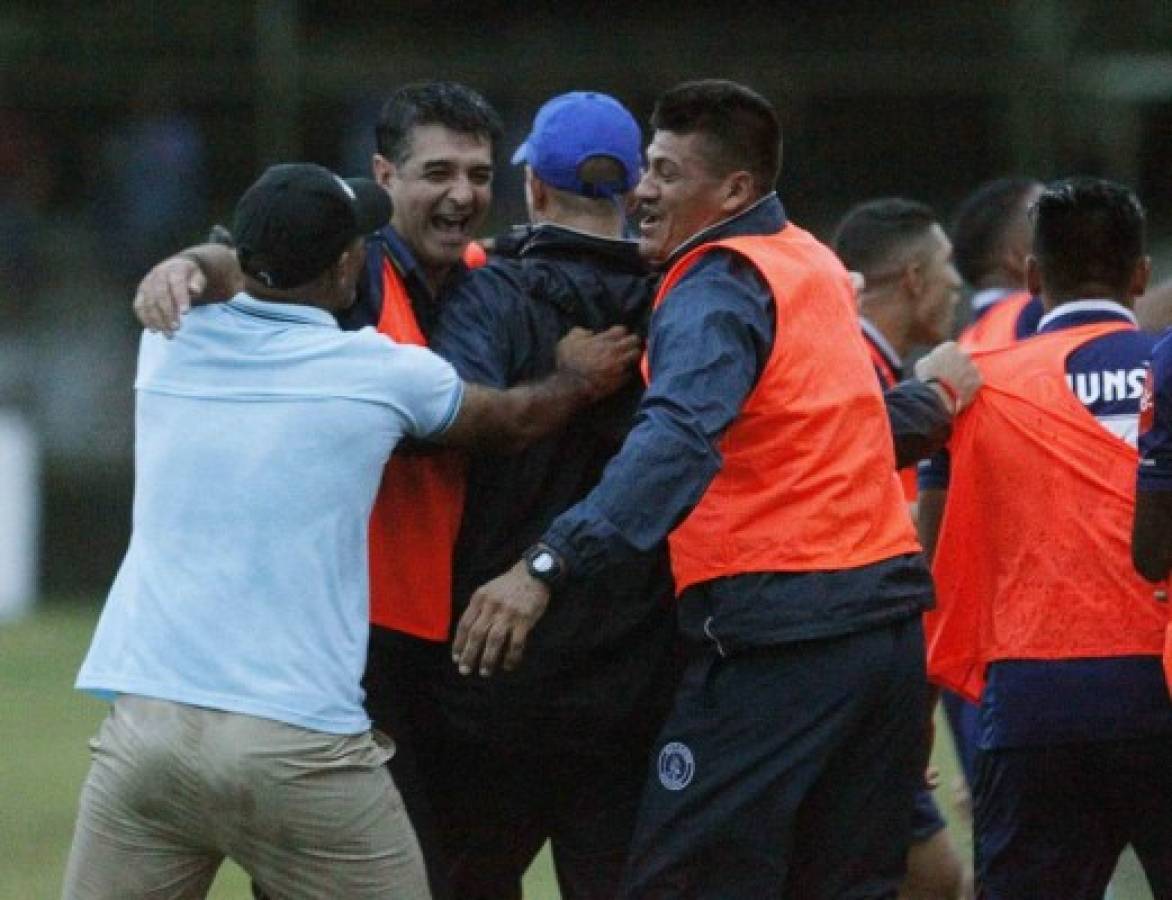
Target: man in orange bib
(788, 763)
(1040, 617)
(991, 237)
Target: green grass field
(44, 725)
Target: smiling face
(678, 195)
(441, 192)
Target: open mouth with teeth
(649, 221)
(451, 226)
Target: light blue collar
(282, 312)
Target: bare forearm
(510, 420)
(220, 267)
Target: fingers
(604, 360)
(494, 629)
(518, 637)
(624, 348)
(950, 364)
(469, 635)
(495, 640)
(480, 636)
(165, 294)
(630, 344)
(632, 349)
(152, 304)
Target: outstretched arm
(206, 273)
(590, 367)
(704, 355)
(489, 328)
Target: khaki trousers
(174, 789)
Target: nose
(462, 190)
(954, 280)
(645, 189)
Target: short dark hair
(1088, 232)
(871, 233)
(454, 106)
(741, 126)
(981, 222)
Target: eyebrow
(446, 163)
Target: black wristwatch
(544, 563)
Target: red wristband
(953, 396)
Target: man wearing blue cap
(500, 326)
(556, 750)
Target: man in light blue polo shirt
(234, 637)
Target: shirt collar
(551, 238)
(765, 216)
(1085, 312)
(875, 336)
(981, 300)
(407, 265)
(282, 312)
(399, 253)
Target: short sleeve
(424, 389)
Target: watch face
(542, 562)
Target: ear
(1033, 276)
(538, 191)
(1140, 277)
(911, 277)
(382, 170)
(348, 262)
(1016, 257)
(736, 192)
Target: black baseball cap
(297, 218)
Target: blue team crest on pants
(676, 766)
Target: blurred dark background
(127, 128)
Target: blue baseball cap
(571, 128)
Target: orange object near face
(808, 481)
(1033, 559)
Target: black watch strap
(545, 564)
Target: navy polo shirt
(1155, 440)
(386, 244)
